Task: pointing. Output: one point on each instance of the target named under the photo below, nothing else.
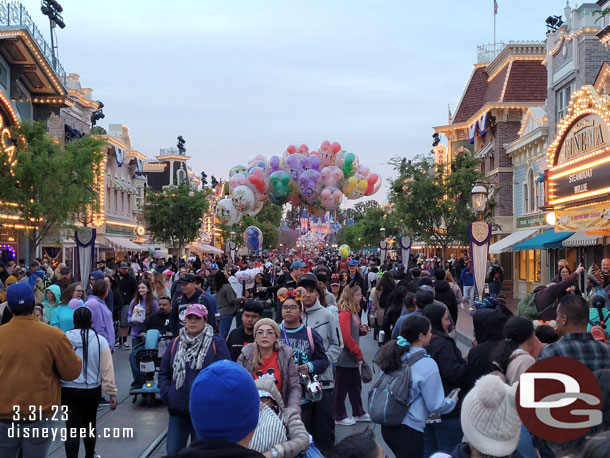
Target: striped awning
(579, 239)
(122, 243)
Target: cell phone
(453, 392)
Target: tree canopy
(47, 186)
(368, 218)
(432, 203)
(174, 216)
(268, 221)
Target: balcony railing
(14, 14)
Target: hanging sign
(587, 134)
(587, 218)
(120, 156)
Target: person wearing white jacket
(322, 320)
(82, 395)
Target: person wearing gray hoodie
(319, 416)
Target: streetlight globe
(551, 218)
(479, 198)
(382, 232)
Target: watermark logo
(559, 399)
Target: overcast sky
(238, 78)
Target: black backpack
(388, 400)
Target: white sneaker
(345, 422)
(471, 309)
(364, 417)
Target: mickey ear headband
(285, 293)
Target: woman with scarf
(195, 348)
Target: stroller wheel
(135, 397)
(150, 400)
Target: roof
(517, 80)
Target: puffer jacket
(298, 437)
(291, 388)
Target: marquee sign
(584, 218)
(579, 156)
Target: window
(532, 191)
(522, 265)
(563, 99)
(492, 163)
(525, 198)
(529, 266)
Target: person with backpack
(598, 325)
(406, 364)
(195, 348)
(541, 304)
(307, 348)
(444, 432)
(82, 395)
(495, 277)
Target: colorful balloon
(226, 211)
(237, 169)
(354, 187)
(304, 149)
(274, 164)
(344, 251)
(325, 145)
(313, 162)
(335, 147)
(238, 179)
(330, 198)
(256, 209)
(373, 184)
(309, 185)
(257, 181)
(243, 198)
(253, 237)
(280, 187)
(332, 176)
(350, 164)
(291, 149)
(295, 164)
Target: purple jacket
(101, 318)
(135, 328)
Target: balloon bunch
(317, 179)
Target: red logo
(559, 399)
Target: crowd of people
(263, 353)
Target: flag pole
(494, 7)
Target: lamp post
(479, 233)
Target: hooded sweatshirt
(488, 332)
(326, 324)
(49, 309)
(101, 319)
(99, 368)
(63, 315)
(445, 294)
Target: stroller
(148, 359)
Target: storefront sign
(531, 221)
(587, 218)
(586, 135)
(583, 181)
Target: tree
(47, 186)
(268, 221)
(174, 216)
(433, 202)
(293, 217)
(368, 218)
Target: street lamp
(382, 233)
(479, 233)
(479, 199)
(383, 245)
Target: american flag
(495, 7)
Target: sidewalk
(464, 332)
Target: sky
(240, 78)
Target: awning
(122, 244)
(582, 239)
(545, 241)
(204, 248)
(507, 242)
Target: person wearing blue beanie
(224, 407)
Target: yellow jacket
(33, 357)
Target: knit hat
(97, 274)
(269, 322)
(489, 417)
(224, 402)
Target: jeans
(526, 446)
(405, 442)
(225, 325)
(469, 294)
(443, 436)
(138, 376)
(318, 420)
(178, 431)
(494, 288)
(31, 447)
(348, 383)
(82, 407)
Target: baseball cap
(213, 266)
(352, 262)
(19, 294)
(307, 279)
(268, 265)
(427, 288)
(123, 265)
(196, 309)
(297, 265)
(64, 270)
(188, 278)
(335, 281)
